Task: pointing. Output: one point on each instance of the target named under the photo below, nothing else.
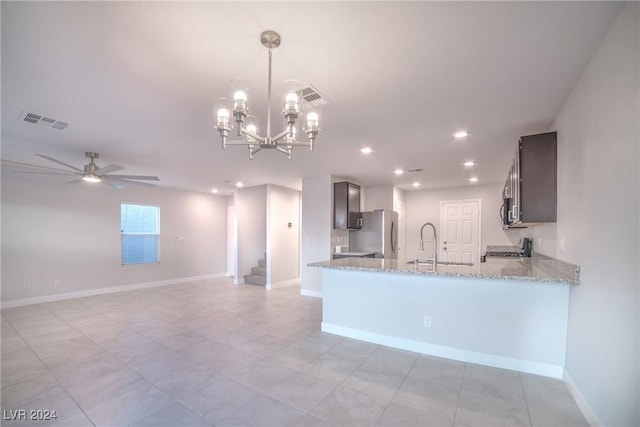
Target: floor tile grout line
(397, 390)
(464, 371)
(55, 376)
(524, 395)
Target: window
(140, 234)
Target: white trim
(108, 290)
(307, 293)
(582, 403)
(447, 352)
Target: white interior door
(460, 225)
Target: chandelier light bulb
(223, 117)
(240, 96)
(291, 97)
(291, 103)
(312, 120)
(254, 130)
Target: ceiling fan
(91, 172)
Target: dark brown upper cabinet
(530, 193)
(346, 206)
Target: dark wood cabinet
(346, 206)
(530, 193)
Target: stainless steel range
(524, 250)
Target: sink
(429, 262)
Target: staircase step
(262, 263)
(252, 279)
(259, 271)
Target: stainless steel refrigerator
(379, 234)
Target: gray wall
(283, 242)
(51, 230)
(316, 231)
(598, 198)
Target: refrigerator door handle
(394, 237)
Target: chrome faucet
(435, 242)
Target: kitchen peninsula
(508, 313)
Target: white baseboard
(588, 413)
(307, 293)
(109, 290)
(447, 352)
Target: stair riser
(259, 271)
(252, 279)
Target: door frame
(232, 243)
(443, 225)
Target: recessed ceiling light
(214, 191)
(366, 150)
(469, 164)
(239, 184)
(416, 184)
(398, 171)
(473, 179)
(461, 134)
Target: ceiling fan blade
(110, 168)
(45, 173)
(59, 162)
(113, 184)
(126, 181)
(34, 166)
(141, 177)
(75, 181)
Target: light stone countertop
(538, 268)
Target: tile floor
(211, 353)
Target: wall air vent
(311, 96)
(38, 119)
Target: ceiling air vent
(311, 95)
(414, 170)
(38, 119)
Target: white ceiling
(138, 80)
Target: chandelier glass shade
(284, 141)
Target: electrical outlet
(562, 244)
(427, 321)
(57, 282)
(27, 285)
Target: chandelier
(284, 141)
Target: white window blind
(140, 233)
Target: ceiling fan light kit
(284, 141)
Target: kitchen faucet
(435, 243)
